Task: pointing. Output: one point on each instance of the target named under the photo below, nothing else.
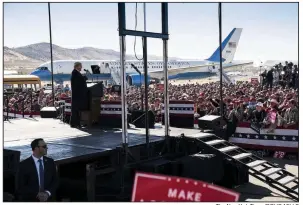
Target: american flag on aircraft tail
(232, 44)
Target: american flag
(232, 44)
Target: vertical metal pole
(260, 75)
(144, 9)
(51, 52)
(7, 101)
(166, 96)
(164, 8)
(31, 97)
(141, 90)
(23, 108)
(146, 93)
(221, 71)
(123, 91)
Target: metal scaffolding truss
(123, 32)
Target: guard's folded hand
(42, 196)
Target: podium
(92, 114)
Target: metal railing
(16, 108)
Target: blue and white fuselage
(62, 68)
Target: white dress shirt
(36, 160)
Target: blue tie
(41, 175)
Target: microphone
(85, 77)
(86, 71)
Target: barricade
(19, 114)
(111, 114)
(67, 109)
(181, 114)
(280, 139)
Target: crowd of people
(273, 101)
(28, 100)
(282, 75)
(275, 97)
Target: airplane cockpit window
(42, 68)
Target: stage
(71, 144)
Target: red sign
(272, 117)
(161, 188)
(254, 80)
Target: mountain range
(30, 56)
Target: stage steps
(263, 170)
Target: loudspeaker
(213, 173)
(209, 122)
(159, 166)
(48, 112)
(180, 121)
(234, 174)
(138, 119)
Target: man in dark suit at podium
(79, 95)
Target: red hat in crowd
(63, 95)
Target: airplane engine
(134, 79)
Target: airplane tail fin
(229, 47)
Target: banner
(160, 188)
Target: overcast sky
(270, 30)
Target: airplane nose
(35, 72)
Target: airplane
(110, 69)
